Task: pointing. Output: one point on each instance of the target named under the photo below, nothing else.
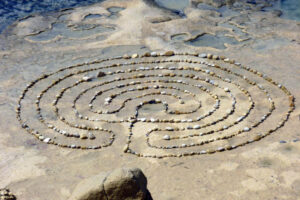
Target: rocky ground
(37, 45)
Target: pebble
(197, 126)
(100, 74)
(143, 119)
(169, 129)
(86, 78)
(83, 136)
(166, 137)
(91, 136)
(134, 55)
(246, 129)
(215, 57)
(202, 55)
(46, 140)
(169, 53)
(153, 54)
(282, 141)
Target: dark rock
(100, 74)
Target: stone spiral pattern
(172, 104)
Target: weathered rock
(120, 184)
(127, 184)
(90, 189)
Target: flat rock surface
(33, 168)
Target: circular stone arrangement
(172, 104)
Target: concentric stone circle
(172, 104)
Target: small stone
(153, 54)
(202, 55)
(100, 74)
(147, 54)
(86, 78)
(91, 136)
(189, 127)
(83, 136)
(226, 89)
(197, 126)
(125, 149)
(246, 129)
(46, 140)
(134, 55)
(125, 56)
(215, 57)
(166, 137)
(282, 141)
(142, 119)
(169, 129)
(108, 99)
(203, 152)
(220, 149)
(209, 56)
(239, 119)
(169, 53)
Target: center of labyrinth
(171, 104)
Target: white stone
(197, 126)
(166, 137)
(46, 140)
(153, 54)
(202, 55)
(169, 129)
(86, 78)
(246, 129)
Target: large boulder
(120, 184)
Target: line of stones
(246, 129)
(291, 98)
(131, 119)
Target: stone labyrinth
(171, 104)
